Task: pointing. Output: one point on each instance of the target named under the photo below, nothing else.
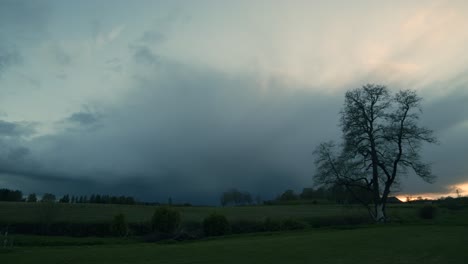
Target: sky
(186, 99)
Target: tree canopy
(381, 142)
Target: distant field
(378, 244)
(11, 212)
(103, 213)
(34, 212)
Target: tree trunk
(379, 213)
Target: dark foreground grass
(378, 244)
(47, 241)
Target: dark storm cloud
(16, 129)
(18, 153)
(448, 111)
(191, 133)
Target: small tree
(165, 220)
(216, 225)
(65, 199)
(236, 197)
(288, 195)
(32, 198)
(381, 141)
(48, 197)
(119, 226)
(11, 195)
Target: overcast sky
(189, 98)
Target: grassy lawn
(377, 244)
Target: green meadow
(376, 244)
(407, 239)
(91, 213)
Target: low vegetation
(290, 229)
(165, 220)
(119, 226)
(216, 225)
(429, 244)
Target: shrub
(165, 220)
(427, 212)
(119, 226)
(216, 225)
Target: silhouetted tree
(381, 140)
(65, 199)
(165, 220)
(234, 196)
(216, 225)
(48, 197)
(311, 193)
(11, 195)
(119, 226)
(32, 198)
(288, 195)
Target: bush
(119, 226)
(216, 225)
(427, 212)
(165, 220)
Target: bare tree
(381, 141)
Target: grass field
(33, 212)
(103, 213)
(377, 244)
(408, 239)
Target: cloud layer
(165, 99)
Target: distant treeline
(8, 195)
(11, 195)
(337, 194)
(236, 197)
(99, 199)
(334, 194)
(342, 195)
